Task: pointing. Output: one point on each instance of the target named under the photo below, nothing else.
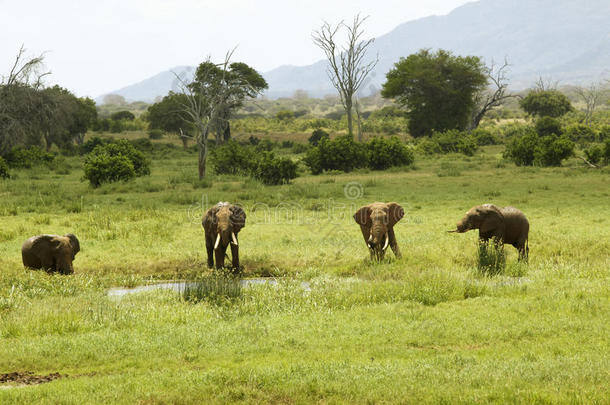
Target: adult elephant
(222, 224)
(506, 225)
(52, 253)
(377, 222)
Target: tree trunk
(350, 125)
(202, 144)
(358, 121)
(227, 132)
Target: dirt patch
(28, 378)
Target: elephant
(222, 224)
(506, 225)
(52, 253)
(377, 222)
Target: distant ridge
(565, 40)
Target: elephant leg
(523, 249)
(394, 243)
(235, 256)
(220, 256)
(47, 264)
(209, 246)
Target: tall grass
(491, 258)
(217, 289)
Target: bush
(455, 141)
(232, 158)
(142, 144)
(594, 154)
(385, 153)
(88, 146)
(271, 170)
(316, 136)
(115, 161)
(253, 140)
(546, 126)
(155, 134)
(531, 149)
(3, 169)
(122, 115)
(266, 145)
(284, 115)
(101, 167)
(287, 144)
(581, 133)
(26, 158)
(604, 133)
(607, 152)
(341, 153)
(427, 146)
(521, 149)
(299, 148)
(484, 137)
(552, 150)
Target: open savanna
(426, 328)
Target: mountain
(562, 40)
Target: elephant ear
(210, 216)
(395, 213)
(363, 216)
(238, 217)
(74, 242)
(491, 218)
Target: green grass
(429, 327)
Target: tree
(347, 69)
(490, 98)
(168, 114)
(20, 101)
(114, 99)
(122, 115)
(215, 92)
(591, 96)
(545, 103)
(438, 89)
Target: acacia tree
(438, 89)
(545, 103)
(347, 69)
(491, 97)
(168, 115)
(216, 91)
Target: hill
(560, 39)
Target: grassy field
(425, 328)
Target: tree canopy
(546, 103)
(437, 88)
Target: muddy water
(179, 286)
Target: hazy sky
(94, 47)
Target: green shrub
(88, 146)
(521, 149)
(607, 152)
(552, 150)
(316, 136)
(546, 126)
(123, 115)
(384, 153)
(455, 141)
(253, 140)
(232, 158)
(581, 133)
(284, 115)
(604, 133)
(26, 158)
(142, 144)
(101, 167)
(427, 146)
(299, 148)
(215, 289)
(116, 127)
(594, 154)
(341, 153)
(484, 137)
(115, 161)
(272, 170)
(265, 145)
(531, 149)
(287, 144)
(3, 169)
(155, 134)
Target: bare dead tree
(545, 84)
(493, 96)
(591, 96)
(29, 72)
(347, 69)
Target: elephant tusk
(234, 238)
(387, 241)
(217, 242)
(454, 231)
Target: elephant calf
(52, 253)
(505, 225)
(221, 224)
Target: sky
(94, 47)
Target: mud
(27, 378)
